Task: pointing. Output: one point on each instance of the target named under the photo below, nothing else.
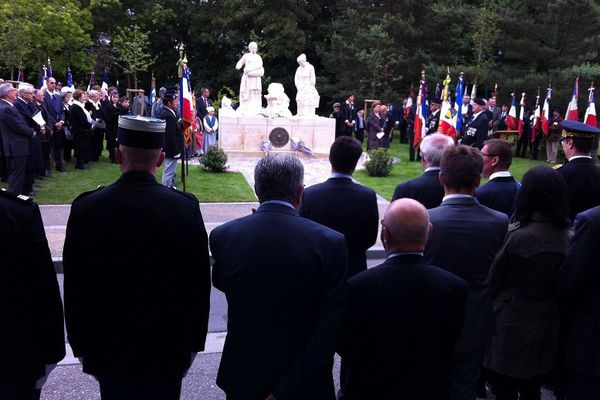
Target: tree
(131, 47)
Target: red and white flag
(545, 116)
(446, 125)
(572, 113)
(511, 118)
(536, 123)
(522, 114)
(590, 113)
(186, 100)
(421, 115)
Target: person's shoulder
(182, 196)
(87, 196)
(15, 201)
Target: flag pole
(180, 64)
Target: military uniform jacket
(137, 278)
(432, 122)
(477, 131)
(173, 144)
(31, 314)
(583, 183)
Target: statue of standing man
(251, 84)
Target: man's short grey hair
(93, 93)
(432, 147)
(278, 177)
(24, 87)
(5, 88)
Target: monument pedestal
(240, 134)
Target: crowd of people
(480, 118)
(493, 285)
(46, 128)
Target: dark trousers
(509, 388)
(97, 142)
(139, 388)
(19, 391)
(583, 387)
(466, 368)
(111, 145)
(16, 173)
(360, 134)
(535, 146)
(46, 148)
(522, 146)
(82, 149)
(68, 147)
(57, 149)
(3, 169)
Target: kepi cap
(141, 132)
(479, 101)
(576, 129)
(436, 100)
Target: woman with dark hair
(524, 287)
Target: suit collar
(463, 200)
(409, 258)
(266, 207)
(432, 172)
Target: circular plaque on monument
(279, 137)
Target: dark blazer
(31, 313)
(348, 114)
(201, 106)
(284, 277)
(583, 182)
(55, 108)
(402, 321)
(432, 122)
(173, 144)
(80, 126)
(26, 109)
(16, 133)
(499, 194)
(581, 289)
(137, 278)
(426, 189)
(349, 208)
(465, 239)
(477, 131)
(111, 115)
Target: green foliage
(215, 160)
(225, 91)
(379, 163)
(131, 46)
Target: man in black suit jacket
(284, 277)
(349, 115)
(32, 338)
(203, 102)
(56, 119)
(136, 311)
(173, 145)
(343, 205)
(403, 317)
(16, 136)
(581, 172)
(500, 193)
(477, 131)
(427, 188)
(465, 239)
(581, 291)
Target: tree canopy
(373, 49)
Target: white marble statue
(278, 103)
(226, 107)
(307, 98)
(251, 84)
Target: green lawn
(406, 170)
(62, 188)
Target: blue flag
(459, 94)
(70, 78)
(43, 75)
(20, 76)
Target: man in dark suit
(16, 135)
(500, 193)
(465, 240)
(343, 205)
(203, 102)
(477, 131)
(56, 119)
(173, 145)
(349, 115)
(581, 172)
(403, 317)
(32, 338)
(284, 277)
(494, 113)
(136, 311)
(581, 292)
(427, 188)
(433, 119)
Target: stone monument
(253, 130)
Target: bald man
(403, 317)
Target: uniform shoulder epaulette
(557, 166)
(17, 197)
(88, 192)
(186, 194)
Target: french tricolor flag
(545, 117)
(572, 113)
(590, 113)
(421, 115)
(186, 99)
(522, 114)
(511, 118)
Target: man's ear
(298, 198)
(119, 155)
(161, 159)
(441, 178)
